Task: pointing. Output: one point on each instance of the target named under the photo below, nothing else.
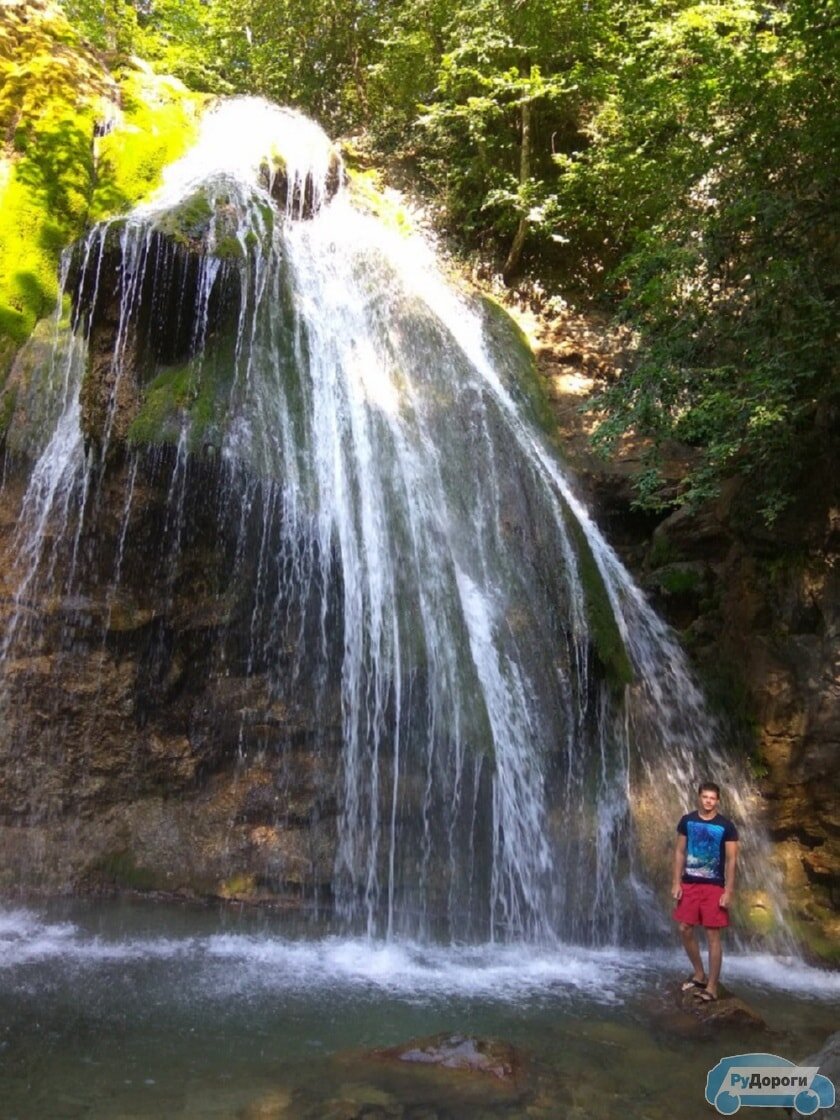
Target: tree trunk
(512, 262)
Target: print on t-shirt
(703, 850)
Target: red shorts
(700, 906)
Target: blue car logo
(765, 1080)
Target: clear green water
(128, 1009)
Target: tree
(730, 276)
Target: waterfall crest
(404, 545)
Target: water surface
(125, 1009)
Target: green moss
(268, 218)
(662, 551)
(680, 581)
(238, 886)
(189, 222)
(8, 400)
(51, 93)
(603, 628)
(228, 248)
(757, 765)
(159, 123)
(820, 944)
(755, 914)
(205, 224)
(523, 380)
(166, 402)
(121, 870)
(194, 395)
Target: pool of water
(128, 1009)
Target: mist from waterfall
(413, 543)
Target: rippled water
(122, 1009)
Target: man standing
(704, 879)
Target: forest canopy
(675, 160)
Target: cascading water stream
(498, 777)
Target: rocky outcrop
(147, 743)
(760, 614)
(300, 196)
(757, 608)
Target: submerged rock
(463, 1053)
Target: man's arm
(679, 867)
(731, 848)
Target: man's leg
(693, 950)
(715, 957)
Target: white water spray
(491, 771)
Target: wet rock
(828, 1062)
(165, 762)
(674, 1013)
(490, 1057)
(726, 1010)
(300, 198)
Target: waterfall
(353, 430)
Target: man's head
(708, 796)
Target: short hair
(710, 786)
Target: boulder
(677, 1014)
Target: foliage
(159, 121)
(310, 53)
(50, 92)
(55, 175)
(500, 58)
(730, 276)
(170, 34)
(679, 159)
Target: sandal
(706, 996)
(690, 984)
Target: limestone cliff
(758, 609)
(144, 745)
(134, 748)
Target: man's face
(708, 801)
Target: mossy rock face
(174, 374)
(190, 400)
(518, 366)
(681, 579)
(158, 123)
(60, 166)
(31, 401)
(603, 627)
(511, 348)
(189, 223)
(119, 870)
(8, 400)
(53, 89)
(207, 222)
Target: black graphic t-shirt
(705, 854)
